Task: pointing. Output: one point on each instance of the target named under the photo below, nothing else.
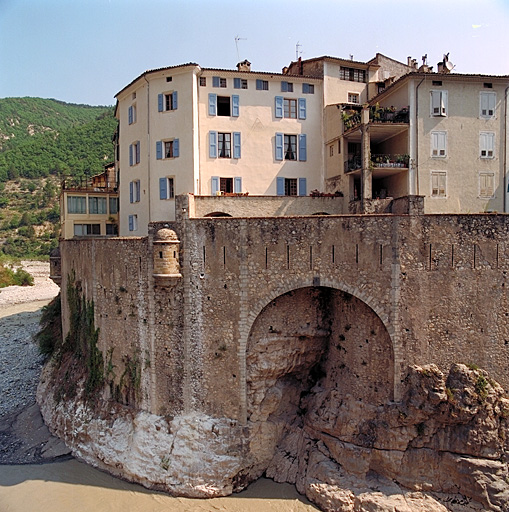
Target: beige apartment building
(441, 135)
(372, 132)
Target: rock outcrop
(443, 447)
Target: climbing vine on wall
(79, 353)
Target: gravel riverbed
(23, 436)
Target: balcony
(378, 115)
(99, 183)
(378, 162)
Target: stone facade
(273, 327)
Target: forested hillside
(40, 140)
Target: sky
(86, 51)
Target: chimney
(245, 65)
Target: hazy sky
(85, 51)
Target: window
(224, 141)
(291, 147)
(218, 82)
(167, 101)
(488, 85)
(87, 229)
(169, 78)
(113, 205)
(203, 81)
(286, 87)
(220, 145)
(352, 74)
(331, 150)
(134, 153)
(167, 188)
(133, 96)
(438, 182)
(290, 108)
(308, 89)
(486, 184)
(291, 186)
(111, 229)
(131, 114)
(239, 83)
(436, 83)
(262, 85)
(226, 185)
(487, 144)
(76, 204)
(97, 205)
(353, 97)
(224, 105)
(487, 104)
(438, 144)
(438, 103)
(134, 191)
(167, 149)
(133, 222)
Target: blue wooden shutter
(302, 108)
(131, 223)
(279, 146)
(159, 149)
(130, 154)
(160, 102)
(176, 148)
(302, 187)
(279, 106)
(215, 185)
(236, 83)
(280, 186)
(212, 104)
(175, 100)
(305, 88)
(235, 105)
(138, 150)
(131, 192)
(302, 148)
(236, 144)
(237, 185)
(284, 86)
(215, 81)
(213, 144)
(163, 188)
(130, 115)
(259, 85)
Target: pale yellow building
(89, 206)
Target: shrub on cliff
(18, 277)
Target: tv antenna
(237, 39)
(297, 50)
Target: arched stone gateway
(308, 351)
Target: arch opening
(309, 352)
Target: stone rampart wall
(436, 283)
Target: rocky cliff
(444, 446)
